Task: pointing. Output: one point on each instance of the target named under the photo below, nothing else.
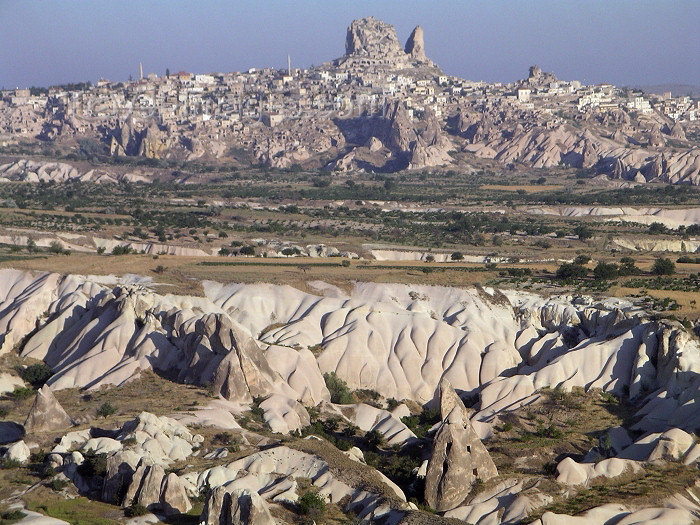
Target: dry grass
(645, 489)
(523, 443)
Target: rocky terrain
(382, 107)
(481, 359)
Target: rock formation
(415, 45)
(372, 38)
(459, 457)
(373, 43)
(47, 414)
(237, 507)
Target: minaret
(289, 65)
(140, 71)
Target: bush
(568, 271)
(657, 228)
(36, 374)
(583, 232)
(20, 393)
(57, 484)
(13, 515)
(340, 393)
(582, 259)
(247, 250)
(374, 438)
(457, 256)
(95, 465)
(106, 409)
(311, 503)
(627, 267)
(663, 266)
(10, 463)
(605, 271)
(121, 250)
(136, 509)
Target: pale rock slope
(396, 339)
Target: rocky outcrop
(47, 414)
(155, 490)
(18, 452)
(375, 39)
(237, 507)
(458, 459)
(415, 45)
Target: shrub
(20, 393)
(95, 465)
(136, 509)
(311, 504)
(663, 266)
(8, 463)
(121, 250)
(13, 515)
(374, 438)
(627, 267)
(247, 250)
(457, 256)
(57, 484)
(568, 271)
(582, 259)
(340, 393)
(56, 247)
(656, 228)
(583, 232)
(36, 374)
(106, 409)
(605, 271)
(345, 263)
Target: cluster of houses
(220, 106)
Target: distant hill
(675, 89)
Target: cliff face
(372, 42)
(369, 37)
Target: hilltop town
(381, 107)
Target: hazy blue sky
(622, 42)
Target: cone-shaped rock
(459, 457)
(415, 45)
(46, 413)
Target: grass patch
(78, 511)
(634, 490)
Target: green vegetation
(106, 409)
(340, 393)
(36, 374)
(663, 266)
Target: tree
(582, 259)
(56, 247)
(663, 266)
(31, 246)
(656, 228)
(311, 504)
(605, 271)
(456, 256)
(583, 232)
(568, 271)
(167, 72)
(627, 267)
(340, 393)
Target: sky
(623, 42)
